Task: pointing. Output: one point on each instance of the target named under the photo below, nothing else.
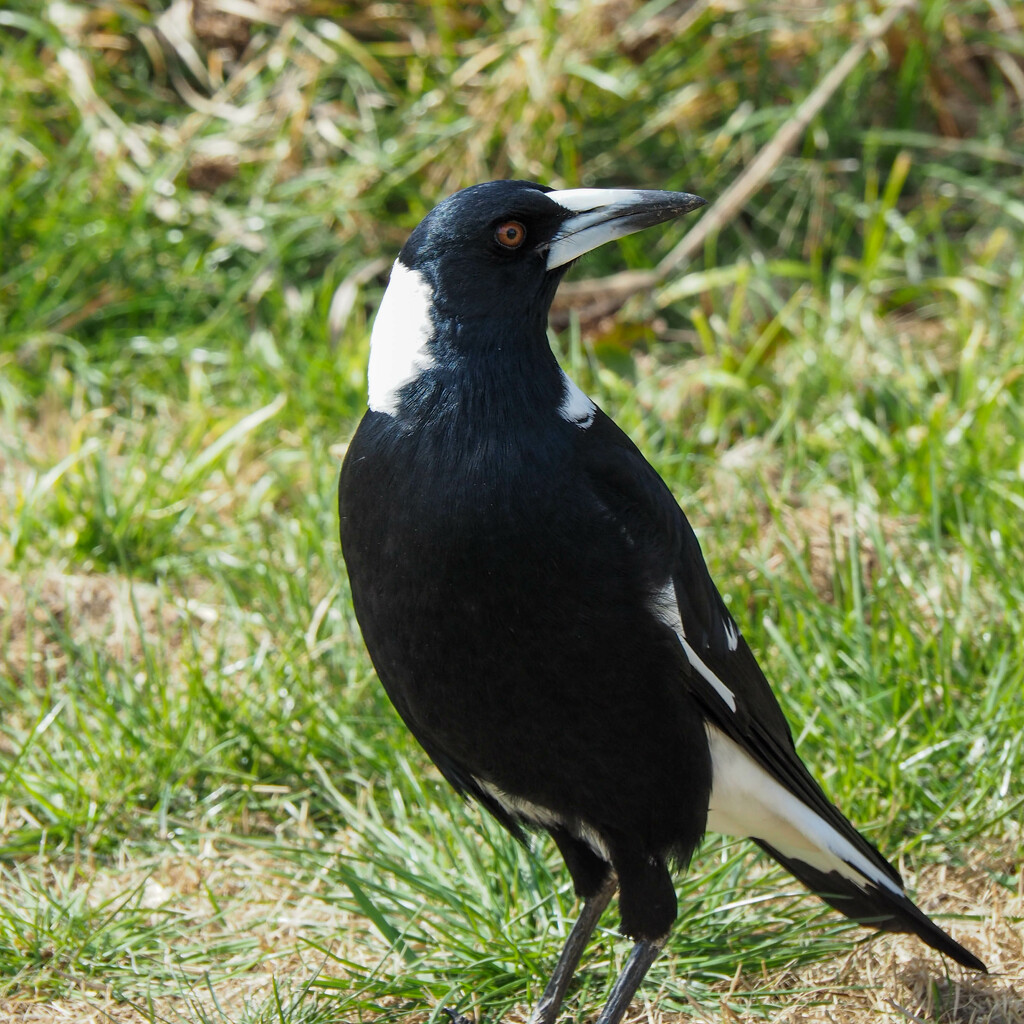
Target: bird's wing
(760, 787)
(750, 738)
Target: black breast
(507, 616)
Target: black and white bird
(537, 605)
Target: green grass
(208, 810)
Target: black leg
(551, 1001)
(645, 952)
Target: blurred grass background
(208, 811)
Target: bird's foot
(455, 1017)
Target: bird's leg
(551, 1001)
(644, 953)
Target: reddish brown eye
(510, 234)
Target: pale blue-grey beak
(602, 214)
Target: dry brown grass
(225, 890)
(230, 890)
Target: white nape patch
(581, 199)
(576, 406)
(748, 803)
(665, 606)
(399, 342)
(526, 810)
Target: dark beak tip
(677, 204)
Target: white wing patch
(732, 634)
(576, 406)
(399, 342)
(666, 607)
(723, 691)
(748, 803)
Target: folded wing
(761, 788)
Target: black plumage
(537, 605)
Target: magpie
(537, 606)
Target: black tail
(876, 907)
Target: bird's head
(485, 264)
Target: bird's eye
(511, 234)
